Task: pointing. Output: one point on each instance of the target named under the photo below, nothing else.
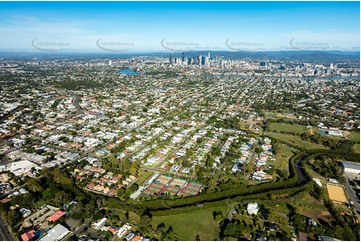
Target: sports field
(279, 127)
(336, 193)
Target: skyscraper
(202, 60)
(170, 58)
(183, 57)
(189, 61)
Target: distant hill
(294, 55)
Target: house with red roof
(55, 216)
(112, 230)
(28, 235)
(137, 238)
(91, 186)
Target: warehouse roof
(351, 165)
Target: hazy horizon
(179, 26)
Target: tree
(216, 151)
(209, 161)
(218, 218)
(170, 234)
(60, 177)
(212, 183)
(124, 165)
(162, 230)
(258, 150)
(338, 231)
(108, 235)
(98, 215)
(34, 185)
(121, 192)
(145, 225)
(247, 168)
(113, 160)
(133, 171)
(134, 187)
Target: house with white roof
(252, 208)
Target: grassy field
(120, 214)
(187, 225)
(310, 207)
(143, 176)
(299, 129)
(354, 136)
(283, 156)
(314, 174)
(275, 115)
(295, 140)
(356, 148)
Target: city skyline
(179, 26)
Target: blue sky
(159, 26)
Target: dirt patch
(72, 223)
(324, 215)
(336, 193)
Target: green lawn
(274, 115)
(356, 148)
(311, 207)
(187, 225)
(314, 174)
(282, 158)
(354, 136)
(294, 140)
(299, 129)
(133, 217)
(143, 176)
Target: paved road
(5, 234)
(353, 197)
(4, 195)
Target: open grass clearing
(314, 174)
(316, 214)
(143, 176)
(310, 207)
(279, 127)
(132, 219)
(356, 148)
(294, 140)
(187, 225)
(284, 153)
(274, 115)
(354, 136)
